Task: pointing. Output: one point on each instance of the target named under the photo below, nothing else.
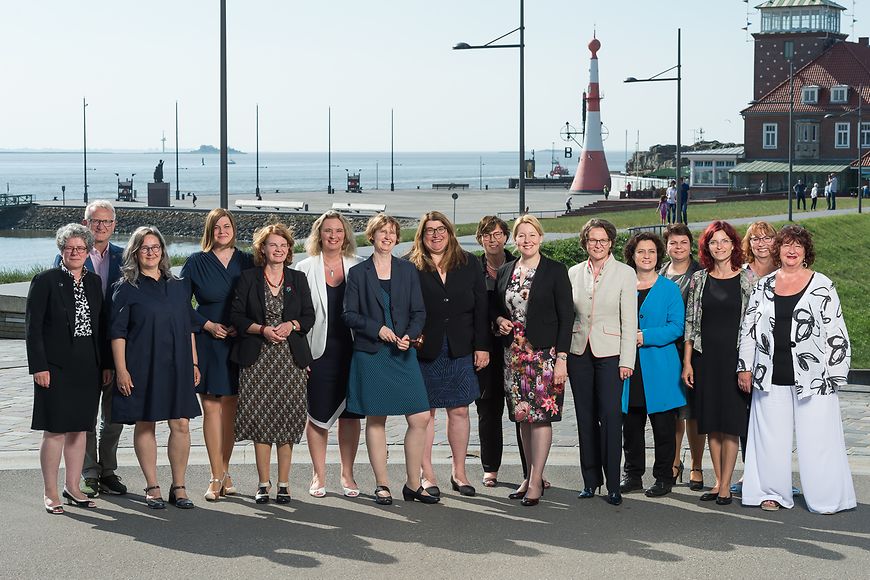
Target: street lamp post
(224, 193)
(521, 46)
(679, 80)
(480, 173)
(392, 153)
(85, 145)
(177, 185)
(257, 139)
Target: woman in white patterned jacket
(794, 351)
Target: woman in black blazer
(273, 311)
(534, 315)
(457, 338)
(384, 309)
(65, 346)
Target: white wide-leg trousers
(821, 449)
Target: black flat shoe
(527, 501)
(434, 491)
(588, 492)
(383, 499)
(630, 484)
(696, 485)
(658, 489)
(614, 498)
(723, 500)
(709, 496)
(82, 503)
(155, 503)
(182, 503)
(464, 489)
(410, 495)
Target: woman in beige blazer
(603, 349)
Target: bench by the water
(278, 205)
(656, 229)
(360, 207)
(449, 186)
(15, 199)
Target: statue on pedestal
(158, 172)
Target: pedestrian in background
(814, 196)
(800, 191)
(671, 197)
(684, 200)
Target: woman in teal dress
(213, 274)
(383, 305)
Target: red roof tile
(845, 63)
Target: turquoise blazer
(661, 318)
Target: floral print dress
(532, 396)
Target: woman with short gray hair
(155, 360)
(65, 361)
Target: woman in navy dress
(457, 333)
(155, 360)
(384, 307)
(331, 248)
(212, 275)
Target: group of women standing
(276, 352)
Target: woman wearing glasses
(456, 338)
(603, 351)
(64, 360)
(717, 300)
(273, 311)
(155, 356)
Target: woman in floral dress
(534, 316)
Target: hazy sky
(133, 60)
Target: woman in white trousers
(795, 352)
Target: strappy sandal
(383, 499)
(53, 509)
(770, 505)
(262, 495)
(489, 482)
(82, 503)
(153, 502)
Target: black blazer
(249, 307)
(550, 312)
(364, 307)
(457, 307)
(50, 320)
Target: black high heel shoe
(155, 503)
(383, 499)
(614, 498)
(283, 495)
(588, 492)
(182, 503)
(82, 503)
(410, 495)
(463, 489)
(696, 485)
(679, 472)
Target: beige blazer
(605, 311)
(312, 267)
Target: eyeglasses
(104, 223)
(721, 243)
(756, 239)
(440, 230)
(603, 242)
(495, 236)
(273, 246)
(156, 249)
(75, 250)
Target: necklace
(269, 282)
(332, 269)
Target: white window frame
(842, 133)
(770, 136)
(865, 134)
(810, 95)
(840, 94)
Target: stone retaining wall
(181, 223)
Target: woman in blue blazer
(383, 306)
(654, 387)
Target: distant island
(212, 149)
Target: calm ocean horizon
(42, 174)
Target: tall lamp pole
(789, 55)
(257, 155)
(177, 193)
(679, 80)
(85, 145)
(392, 155)
(224, 202)
(329, 149)
(521, 46)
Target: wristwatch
(562, 356)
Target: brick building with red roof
(830, 76)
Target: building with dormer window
(830, 75)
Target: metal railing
(8, 199)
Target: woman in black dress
(457, 338)
(717, 300)
(155, 360)
(64, 344)
(331, 248)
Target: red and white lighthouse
(592, 171)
